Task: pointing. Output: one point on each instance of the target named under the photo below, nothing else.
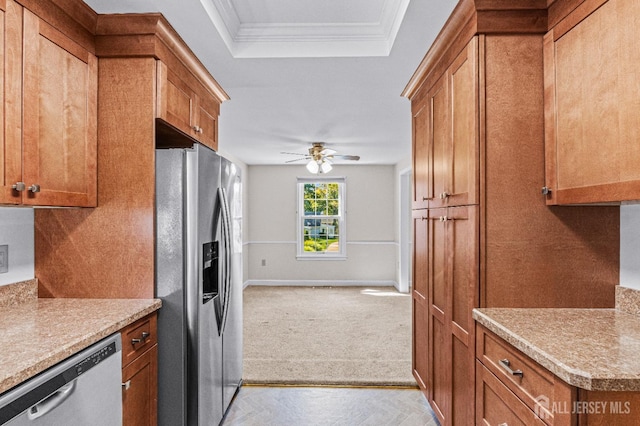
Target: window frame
(341, 254)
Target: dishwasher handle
(52, 401)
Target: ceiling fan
(320, 158)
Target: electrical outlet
(4, 258)
(264, 262)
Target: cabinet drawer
(138, 337)
(497, 405)
(535, 386)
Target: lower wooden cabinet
(512, 389)
(140, 372)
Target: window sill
(321, 257)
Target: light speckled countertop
(38, 333)
(593, 349)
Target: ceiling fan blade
(297, 159)
(293, 153)
(345, 157)
(328, 151)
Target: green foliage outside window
(321, 217)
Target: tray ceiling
(307, 28)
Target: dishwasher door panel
(86, 389)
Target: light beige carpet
(327, 336)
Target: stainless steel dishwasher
(84, 389)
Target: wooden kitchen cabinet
(60, 118)
(419, 295)
(190, 110)
(131, 49)
(11, 113)
(50, 113)
(446, 152)
(508, 377)
(478, 106)
(591, 103)
(513, 389)
(140, 372)
(421, 157)
(455, 143)
(453, 282)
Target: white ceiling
(300, 71)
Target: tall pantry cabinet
(483, 235)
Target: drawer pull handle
(503, 424)
(126, 385)
(142, 338)
(506, 364)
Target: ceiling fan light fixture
(313, 166)
(325, 167)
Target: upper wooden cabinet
(149, 86)
(421, 158)
(592, 100)
(60, 118)
(10, 99)
(446, 140)
(187, 97)
(188, 109)
(50, 114)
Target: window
(321, 218)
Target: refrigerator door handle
(226, 226)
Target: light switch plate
(4, 258)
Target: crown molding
(280, 40)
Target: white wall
(16, 230)
(630, 246)
(370, 227)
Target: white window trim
(342, 253)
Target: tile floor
(316, 406)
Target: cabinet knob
(546, 190)
(197, 129)
(34, 188)
(19, 186)
(126, 385)
(444, 195)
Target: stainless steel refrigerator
(198, 278)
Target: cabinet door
(175, 100)
(140, 390)
(592, 125)
(454, 132)
(60, 118)
(179, 104)
(422, 189)
(439, 357)
(462, 244)
(10, 99)
(420, 348)
(462, 184)
(453, 293)
(206, 121)
(440, 141)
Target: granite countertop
(593, 349)
(39, 333)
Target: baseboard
(323, 283)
